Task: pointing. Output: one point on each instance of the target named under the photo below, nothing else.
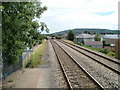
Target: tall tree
(97, 38)
(87, 32)
(71, 35)
(19, 29)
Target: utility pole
(117, 46)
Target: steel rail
(107, 58)
(62, 68)
(114, 70)
(83, 69)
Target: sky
(69, 14)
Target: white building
(111, 36)
(84, 37)
(110, 39)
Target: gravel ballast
(106, 77)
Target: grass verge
(101, 50)
(36, 56)
(68, 41)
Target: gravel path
(105, 76)
(47, 75)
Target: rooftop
(110, 36)
(85, 36)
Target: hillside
(81, 30)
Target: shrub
(111, 54)
(105, 51)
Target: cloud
(104, 13)
(68, 14)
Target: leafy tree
(97, 38)
(20, 29)
(87, 32)
(105, 44)
(94, 33)
(71, 35)
(55, 35)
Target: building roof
(85, 36)
(115, 36)
(93, 43)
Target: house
(110, 39)
(81, 38)
(95, 44)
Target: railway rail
(75, 75)
(105, 61)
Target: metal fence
(9, 69)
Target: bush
(102, 50)
(105, 51)
(97, 38)
(111, 54)
(78, 44)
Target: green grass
(10, 79)
(101, 50)
(36, 56)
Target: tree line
(20, 29)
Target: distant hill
(81, 30)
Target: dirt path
(27, 79)
(40, 77)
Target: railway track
(105, 61)
(75, 75)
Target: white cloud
(66, 14)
